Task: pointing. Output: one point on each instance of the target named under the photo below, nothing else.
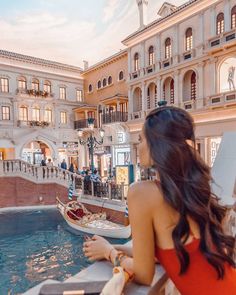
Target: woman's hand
(97, 248)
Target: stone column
(212, 64)
(144, 100)
(227, 15)
(142, 58)
(180, 93)
(159, 92)
(158, 52)
(130, 102)
(130, 70)
(175, 45)
(176, 87)
(200, 85)
(201, 35)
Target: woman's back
(200, 277)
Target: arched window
(23, 113)
(35, 84)
(22, 83)
(172, 91)
(136, 61)
(90, 88)
(151, 55)
(36, 114)
(99, 84)
(121, 75)
(109, 80)
(168, 51)
(189, 39)
(104, 82)
(48, 115)
(233, 17)
(148, 99)
(47, 86)
(193, 86)
(220, 24)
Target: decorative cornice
(38, 61)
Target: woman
(175, 219)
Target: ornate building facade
(106, 102)
(37, 98)
(188, 58)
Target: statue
(231, 78)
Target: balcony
(220, 42)
(222, 99)
(83, 124)
(149, 69)
(114, 117)
(35, 93)
(188, 54)
(167, 62)
(134, 75)
(33, 123)
(137, 115)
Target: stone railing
(44, 174)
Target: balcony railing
(137, 115)
(217, 42)
(135, 74)
(222, 99)
(114, 117)
(81, 124)
(33, 123)
(33, 92)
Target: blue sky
(70, 31)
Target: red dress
(200, 277)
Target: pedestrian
(63, 164)
(71, 168)
(43, 162)
(49, 163)
(96, 179)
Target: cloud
(110, 9)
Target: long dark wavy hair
(185, 182)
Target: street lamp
(91, 141)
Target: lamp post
(91, 141)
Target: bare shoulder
(144, 190)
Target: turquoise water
(37, 245)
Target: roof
(159, 20)
(39, 61)
(164, 5)
(106, 61)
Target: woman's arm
(140, 214)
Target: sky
(70, 31)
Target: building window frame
(220, 24)
(47, 87)
(63, 117)
(22, 83)
(109, 80)
(35, 84)
(79, 95)
(90, 88)
(136, 61)
(4, 84)
(189, 39)
(233, 17)
(193, 86)
(23, 113)
(36, 113)
(62, 93)
(6, 115)
(168, 48)
(99, 84)
(48, 115)
(121, 76)
(151, 56)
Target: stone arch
(151, 95)
(168, 90)
(137, 99)
(189, 85)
